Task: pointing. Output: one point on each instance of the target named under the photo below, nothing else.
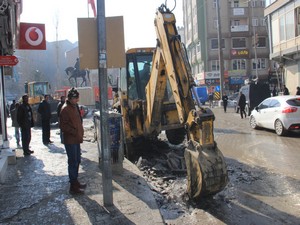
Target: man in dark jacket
(242, 104)
(71, 126)
(225, 101)
(58, 109)
(45, 111)
(25, 121)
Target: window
(236, 4)
(262, 42)
(238, 42)
(235, 22)
(261, 64)
(264, 104)
(262, 22)
(215, 4)
(282, 29)
(290, 25)
(238, 64)
(262, 3)
(254, 22)
(274, 103)
(253, 3)
(215, 43)
(215, 65)
(215, 24)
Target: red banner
(32, 36)
(92, 3)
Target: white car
(279, 113)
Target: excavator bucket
(206, 170)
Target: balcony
(239, 12)
(239, 28)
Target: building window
(215, 43)
(215, 4)
(236, 4)
(290, 25)
(215, 24)
(282, 29)
(261, 64)
(263, 3)
(254, 22)
(238, 42)
(235, 22)
(238, 64)
(262, 22)
(253, 3)
(262, 42)
(215, 65)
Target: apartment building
(244, 42)
(283, 19)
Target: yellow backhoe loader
(156, 94)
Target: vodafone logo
(34, 36)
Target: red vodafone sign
(8, 60)
(32, 36)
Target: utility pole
(254, 40)
(104, 116)
(221, 60)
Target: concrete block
(10, 154)
(3, 168)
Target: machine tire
(176, 136)
(279, 128)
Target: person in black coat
(225, 101)
(298, 91)
(25, 121)
(242, 104)
(58, 109)
(45, 111)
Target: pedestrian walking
(25, 121)
(58, 109)
(71, 126)
(15, 124)
(12, 106)
(285, 90)
(298, 91)
(211, 99)
(45, 110)
(274, 91)
(225, 101)
(242, 104)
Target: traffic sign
(8, 60)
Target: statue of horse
(73, 73)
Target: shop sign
(239, 53)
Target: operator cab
(139, 64)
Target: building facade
(283, 19)
(244, 41)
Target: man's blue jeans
(74, 159)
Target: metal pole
(3, 117)
(102, 71)
(221, 60)
(255, 44)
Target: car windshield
(294, 102)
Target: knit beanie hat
(73, 93)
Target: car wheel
(279, 128)
(253, 123)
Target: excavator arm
(206, 169)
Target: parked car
(279, 113)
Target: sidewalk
(36, 189)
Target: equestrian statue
(75, 72)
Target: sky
(138, 17)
